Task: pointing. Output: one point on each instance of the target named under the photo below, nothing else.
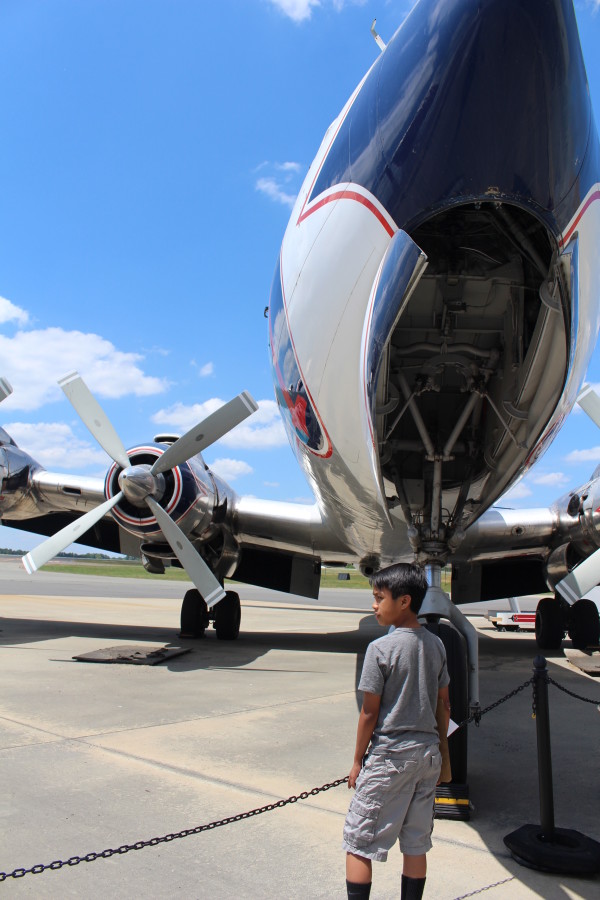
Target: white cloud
(54, 445)
(301, 10)
(230, 469)
(34, 360)
(298, 10)
(592, 454)
(206, 370)
(275, 191)
(279, 181)
(553, 479)
(11, 313)
(259, 431)
(518, 492)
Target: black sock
(358, 891)
(412, 888)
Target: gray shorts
(394, 800)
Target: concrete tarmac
(94, 756)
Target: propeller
(586, 575)
(39, 556)
(145, 484)
(5, 389)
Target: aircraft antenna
(378, 40)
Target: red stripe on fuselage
(567, 237)
(348, 195)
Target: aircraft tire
(549, 624)
(228, 615)
(458, 669)
(194, 615)
(584, 624)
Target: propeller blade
(206, 432)
(5, 389)
(57, 543)
(190, 559)
(582, 579)
(94, 417)
(589, 401)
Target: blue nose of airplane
(472, 100)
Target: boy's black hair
(400, 579)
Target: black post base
(565, 852)
(452, 802)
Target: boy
(403, 677)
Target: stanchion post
(544, 752)
(545, 847)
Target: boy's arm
(442, 716)
(366, 726)
(444, 697)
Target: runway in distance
(433, 311)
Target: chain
(477, 714)
(571, 694)
(488, 887)
(153, 842)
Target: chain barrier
(488, 887)
(475, 716)
(572, 694)
(153, 842)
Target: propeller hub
(138, 482)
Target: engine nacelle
(16, 468)
(188, 495)
(589, 512)
(560, 562)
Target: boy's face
(390, 611)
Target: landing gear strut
(196, 617)
(461, 644)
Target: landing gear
(228, 614)
(553, 617)
(584, 624)
(458, 670)
(194, 615)
(549, 623)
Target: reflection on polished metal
(138, 482)
(438, 603)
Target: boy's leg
(414, 866)
(414, 870)
(358, 876)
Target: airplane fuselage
(437, 295)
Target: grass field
(128, 569)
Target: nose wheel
(196, 617)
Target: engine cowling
(16, 468)
(187, 493)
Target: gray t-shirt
(406, 668)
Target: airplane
(433, 312)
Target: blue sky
(150, 154)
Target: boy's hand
(354, 773)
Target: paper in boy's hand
(452, 726)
